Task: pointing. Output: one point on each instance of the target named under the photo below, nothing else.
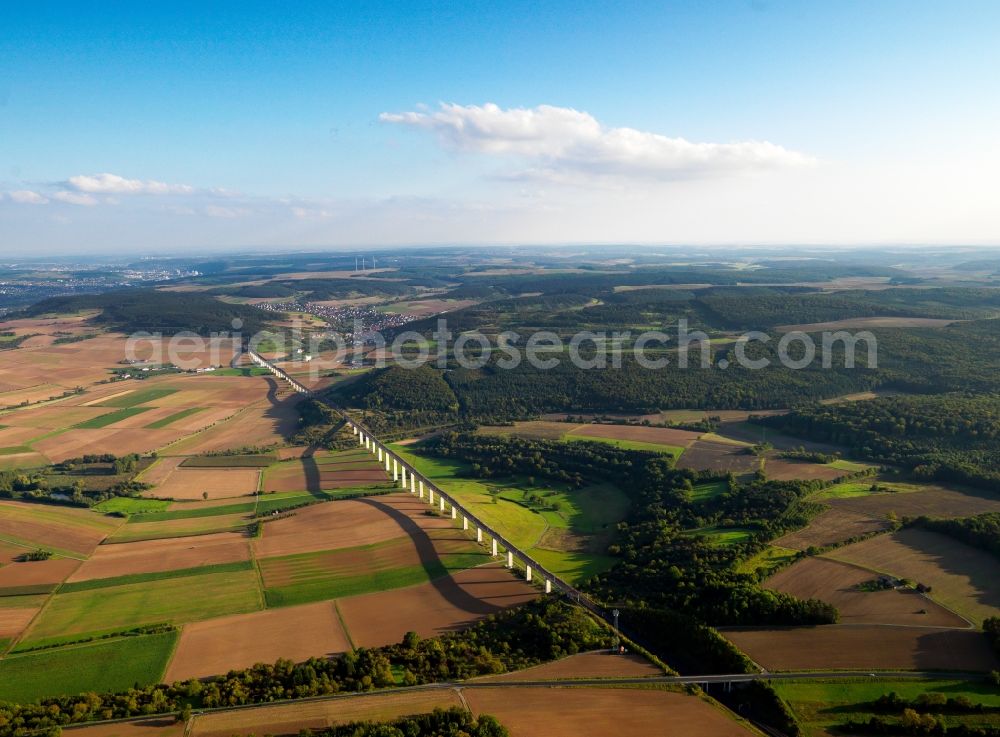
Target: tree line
(514, 639)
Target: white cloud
(216, 211)
(27, 197)
(114, 184)
(75, 198)
(555, 141)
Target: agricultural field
(218, 645)
(101, 666)
(864, 647)
(67, 531)
(70, 616)
(633, 437)
(831, 527)
(146, 416)
(433, 608)
(842, 585)
(566, 529)
(822, 705)
(962, 578)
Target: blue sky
(200, 125)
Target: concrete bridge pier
(495, 553)
(454, 512)
(413, 484)
(395, 470)
(527, 572)
(387, 462)
(430, 496)
(510, 559)
(379, 455)
(479, 534)
(361, 438)
(354, 429)
(441, 500)
(548, 585)
(420, 485)
(465, 522)
(402, 476)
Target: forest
(154, 311)
(453, 722)
(950, 437)
(663, 562)
(982, 531)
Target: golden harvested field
(433, 608)
(346, 524)
(837, 583)
(160, 470)
(831, 527)
(219, 645)
(864, 647)
(40, 371)
(266, 423)
(962, 578)
(290, 718)
(601, 664)
(535, 711)
(79, 442)
(61, 528)
(169, 554)
(196, 483)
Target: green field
(717, 535)
(321, 576)
(175, 600)
(571, 539)
(103, 583)
(170, 419)
(133, 399)
(247, 371)
(130, 505)
(158, 530)
(767, 560)
(708, 492)
(674, 451)
(110, 418)
(104, 666)
(820, 705)
(14, 449)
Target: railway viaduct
(409, 478)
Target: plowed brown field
(865, 647)
(837, 584)
(297, 633)
(831, 527)
(432, 608)
(170, 554)
(345, 524)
